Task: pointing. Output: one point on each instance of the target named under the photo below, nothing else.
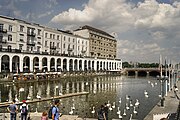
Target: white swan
(127, 107)
(130, 117)
(130, 103)
(93, 111)
(38, 96)
(71, 112)
(110, 108)
(147, 96)
(108, 104)
(118, 112)
(134, 111)
(145, 92)
(73, 107)
(120, 100)
(137, 103)
(124, 112)
(113, 106)
(152, 85)
(127, 97)
(120, 116)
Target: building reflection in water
(101, 89)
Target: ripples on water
(102, 89)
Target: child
(44, 116)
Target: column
(77, 65)
(0, 64)
(55, 64)
(40, 64)
(61, 64)
(82, 65)
(48, 64)
(31, 64)
(21, 64)
(95, 65)
(10, 64)
(67, 65)
(73, 63)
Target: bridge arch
(142, 73)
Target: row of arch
(144, 73)
(33, 63)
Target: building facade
(29, 47)
(101, 44)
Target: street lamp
(162, 80)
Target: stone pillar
(31, 64)
(55, 64)
(67, 65)
(136, 73)
(40, 64)
(61, 64)
(82, 65)
(10, 64)
(0, 64)
(95, 65)
(48, 63)
(21, 64)
(77, 65)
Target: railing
(31, 34)
(53, 47)
(30, 43)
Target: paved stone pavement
(171, 105)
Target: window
(38, 49)
(20, 46)
(64, 46)
(9, 47)
(57, 45)
(39, 32)
(73, 40)
(31, 48)
(57, 37)
(50, 35)
(73, 46)
(64, 38)
(10, 27)
(1, 26)
(50, 44)
(45, 43)
(21, 40)
(54, 36)
(21, 28)
(69, 40)
(9, 37)
(46, 34)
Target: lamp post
(162, 80)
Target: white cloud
(151, 24)
(45, 14)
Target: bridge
(142, 71)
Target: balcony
(3, 30)
(31, 43)
(53, 47)
(3, 41)
(31, 34)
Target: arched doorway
(104, 66)
(93, 65)
(110, 66)
(107, 67)
(97, 65)
(5, 63)
(15, 64)
(59, 65)
(75, 65)
(44, 64)
(36, 64)
(89, 65)
(85, 65)
(26, 64)
(70, 65)
(52, 65)
(64, 64)
(101, 66)
(80, 65)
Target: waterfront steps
(171, 105)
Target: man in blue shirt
(55, 111)
(13, 109)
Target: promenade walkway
(171, 105)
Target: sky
(144, 29)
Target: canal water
(115, 90)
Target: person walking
(44, 116)
(24, 110)
(13, 110)
(55, 110)
(106, 108)
(101, 113)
